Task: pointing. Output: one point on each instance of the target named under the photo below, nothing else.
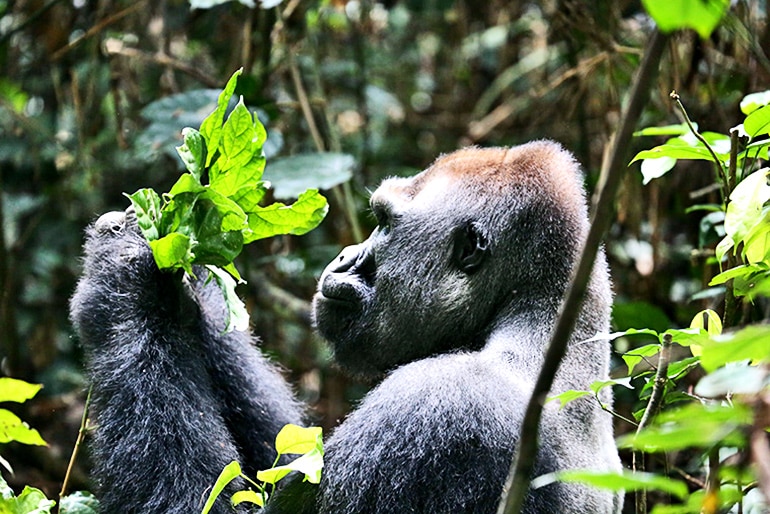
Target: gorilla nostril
(111, 222)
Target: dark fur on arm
(174, 398)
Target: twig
(658, 388)
(58, 54)
(78, 442)
(161, 59)
(29, 21)
(517, 483)
(720, 170)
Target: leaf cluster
(292, 439)
(214, 209)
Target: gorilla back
(452, 299)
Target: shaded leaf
(291, 176)
(624, 481)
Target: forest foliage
(94, 98)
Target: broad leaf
(228, 474)
(754, 101)
(758, 122)
(211, 127)
(703, 16)
(14, 390)
(299, 218)
(296, 439)
(291, 176)
(12, 428)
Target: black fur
(452, 299)
(174, 399)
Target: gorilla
(451, 301)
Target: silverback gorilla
(452, 299)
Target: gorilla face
(481, 233)
(408, 291)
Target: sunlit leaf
(750, 343)
(758, 122)
(695, 425)
(12, 428)
(296, 439)
(624, 481)
(568, 396)
(310, 464)
(754, 101)
(703, 16)
(228, 474)
(298, 218)
(249, 496)
(14, 390)
(237, 315)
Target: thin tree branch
(658, 388)
(613, 167)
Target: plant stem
(613, 168)
(720, 169)
(78, 442)
(658, 388)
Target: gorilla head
(480, 236)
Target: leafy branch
(213, 209)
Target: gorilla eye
(384, 221)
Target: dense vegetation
(94, 97)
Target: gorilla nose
(111, 222)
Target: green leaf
(79, 502)
(228, 474)
(172, 251)
(299, 218)
(750, 343)
(758, 122)
(745, 209)
(211, 128)
(19, 391)
(738, 378)
(296, 439)
(147, 206)
(754, 101)
(601, 384)
(707, 320)
(249, 496)
(624, 481)
(635, 356)
(703, 16)
(186, 183)
(237, 315)
(310, 464)
(291, 176)
(240, 140)
(695, 425)
(675, 150)
(568, 396)
(666, 130)
(656, 168)
(193, 152)
(12, 428)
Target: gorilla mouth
(338, 291)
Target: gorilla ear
(470, 248)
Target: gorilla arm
(174, 398)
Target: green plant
(31, 500)
(213, 209)
(292, 439)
